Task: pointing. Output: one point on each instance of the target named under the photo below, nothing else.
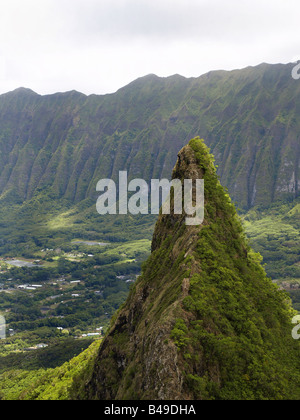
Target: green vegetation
(51, 384)
(203, 321)
(59, 351)
(73, 291)
(79, 295)
(241, 319)
(275, 233)
(54, 149)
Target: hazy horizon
(141, 77)
(99, 46)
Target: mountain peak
(23, 91)
(189, 166)
(203, 321)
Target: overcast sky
(98, 46)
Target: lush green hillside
(275, 233)
(67, 142)
(50, 384)
(203, 321)
(54, 149)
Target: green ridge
(203, 321)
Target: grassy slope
(52, 384)
(275, 233)
(203, 321)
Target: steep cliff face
(203, 321)
(67, 142)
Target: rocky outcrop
(203, 321)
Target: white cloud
(97, 46)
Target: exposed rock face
(137, 348)
(202, 321)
